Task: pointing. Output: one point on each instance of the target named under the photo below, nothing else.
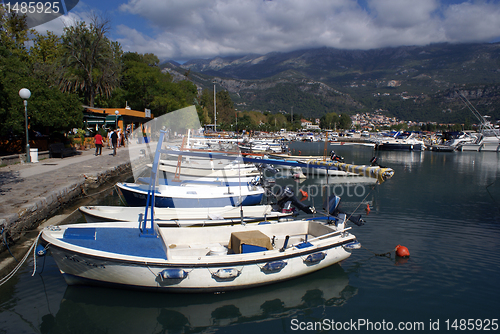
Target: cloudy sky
(188, 29)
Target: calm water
(445, 207)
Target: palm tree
(90, 62)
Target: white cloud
(186, 29)
(402, 14)
(57, 26)
(472, 22)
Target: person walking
(114, 141)
(109, 138)
(98, 144)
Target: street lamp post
(215, 108)
(25, 94)
(116, 119)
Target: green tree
(13, 32)
(345, 121)
(90, 61)
(144, 85)
(225, 110)
(49, 109)
(330, 121)
(45, 55)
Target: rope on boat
(97, 193)
(7, 244)
(386, 254)
(119, 195)
(19, 265)
(360, 204)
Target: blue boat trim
(125, 241)
(87, 233)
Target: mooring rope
(19, 265)
(119, 195)
(7, 244)
(386, 254)
(360, 203)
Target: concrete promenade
(31, 193)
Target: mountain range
(418, 83)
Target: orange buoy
(300, 152)
(367, 208)
(304, 195)
(402, 251)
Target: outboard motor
(335, 157)
(287, 195)
(256, 181)
(333, 205)
(374, 162)
(267, 169)
(334, 209)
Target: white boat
(192, 195)
(336, 168)
(310, 170)
(209, 165)
(197, 173)
(206, 180)
(399, 142)
(262, 146)
(196, 260)
(488, 139)
(184, 216)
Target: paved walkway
(30, 193)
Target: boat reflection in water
(101, 310)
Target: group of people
(115, 138)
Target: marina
(442, 206)
(249, 167)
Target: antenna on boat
(484, 123)
(471, 107)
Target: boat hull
(184, 197)
(399, 147)
(85, 270)
(183, 216)
(172, 267)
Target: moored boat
(185, 216)
(400, 142)
(189, 195)
(196, 259)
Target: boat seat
(186, 250)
